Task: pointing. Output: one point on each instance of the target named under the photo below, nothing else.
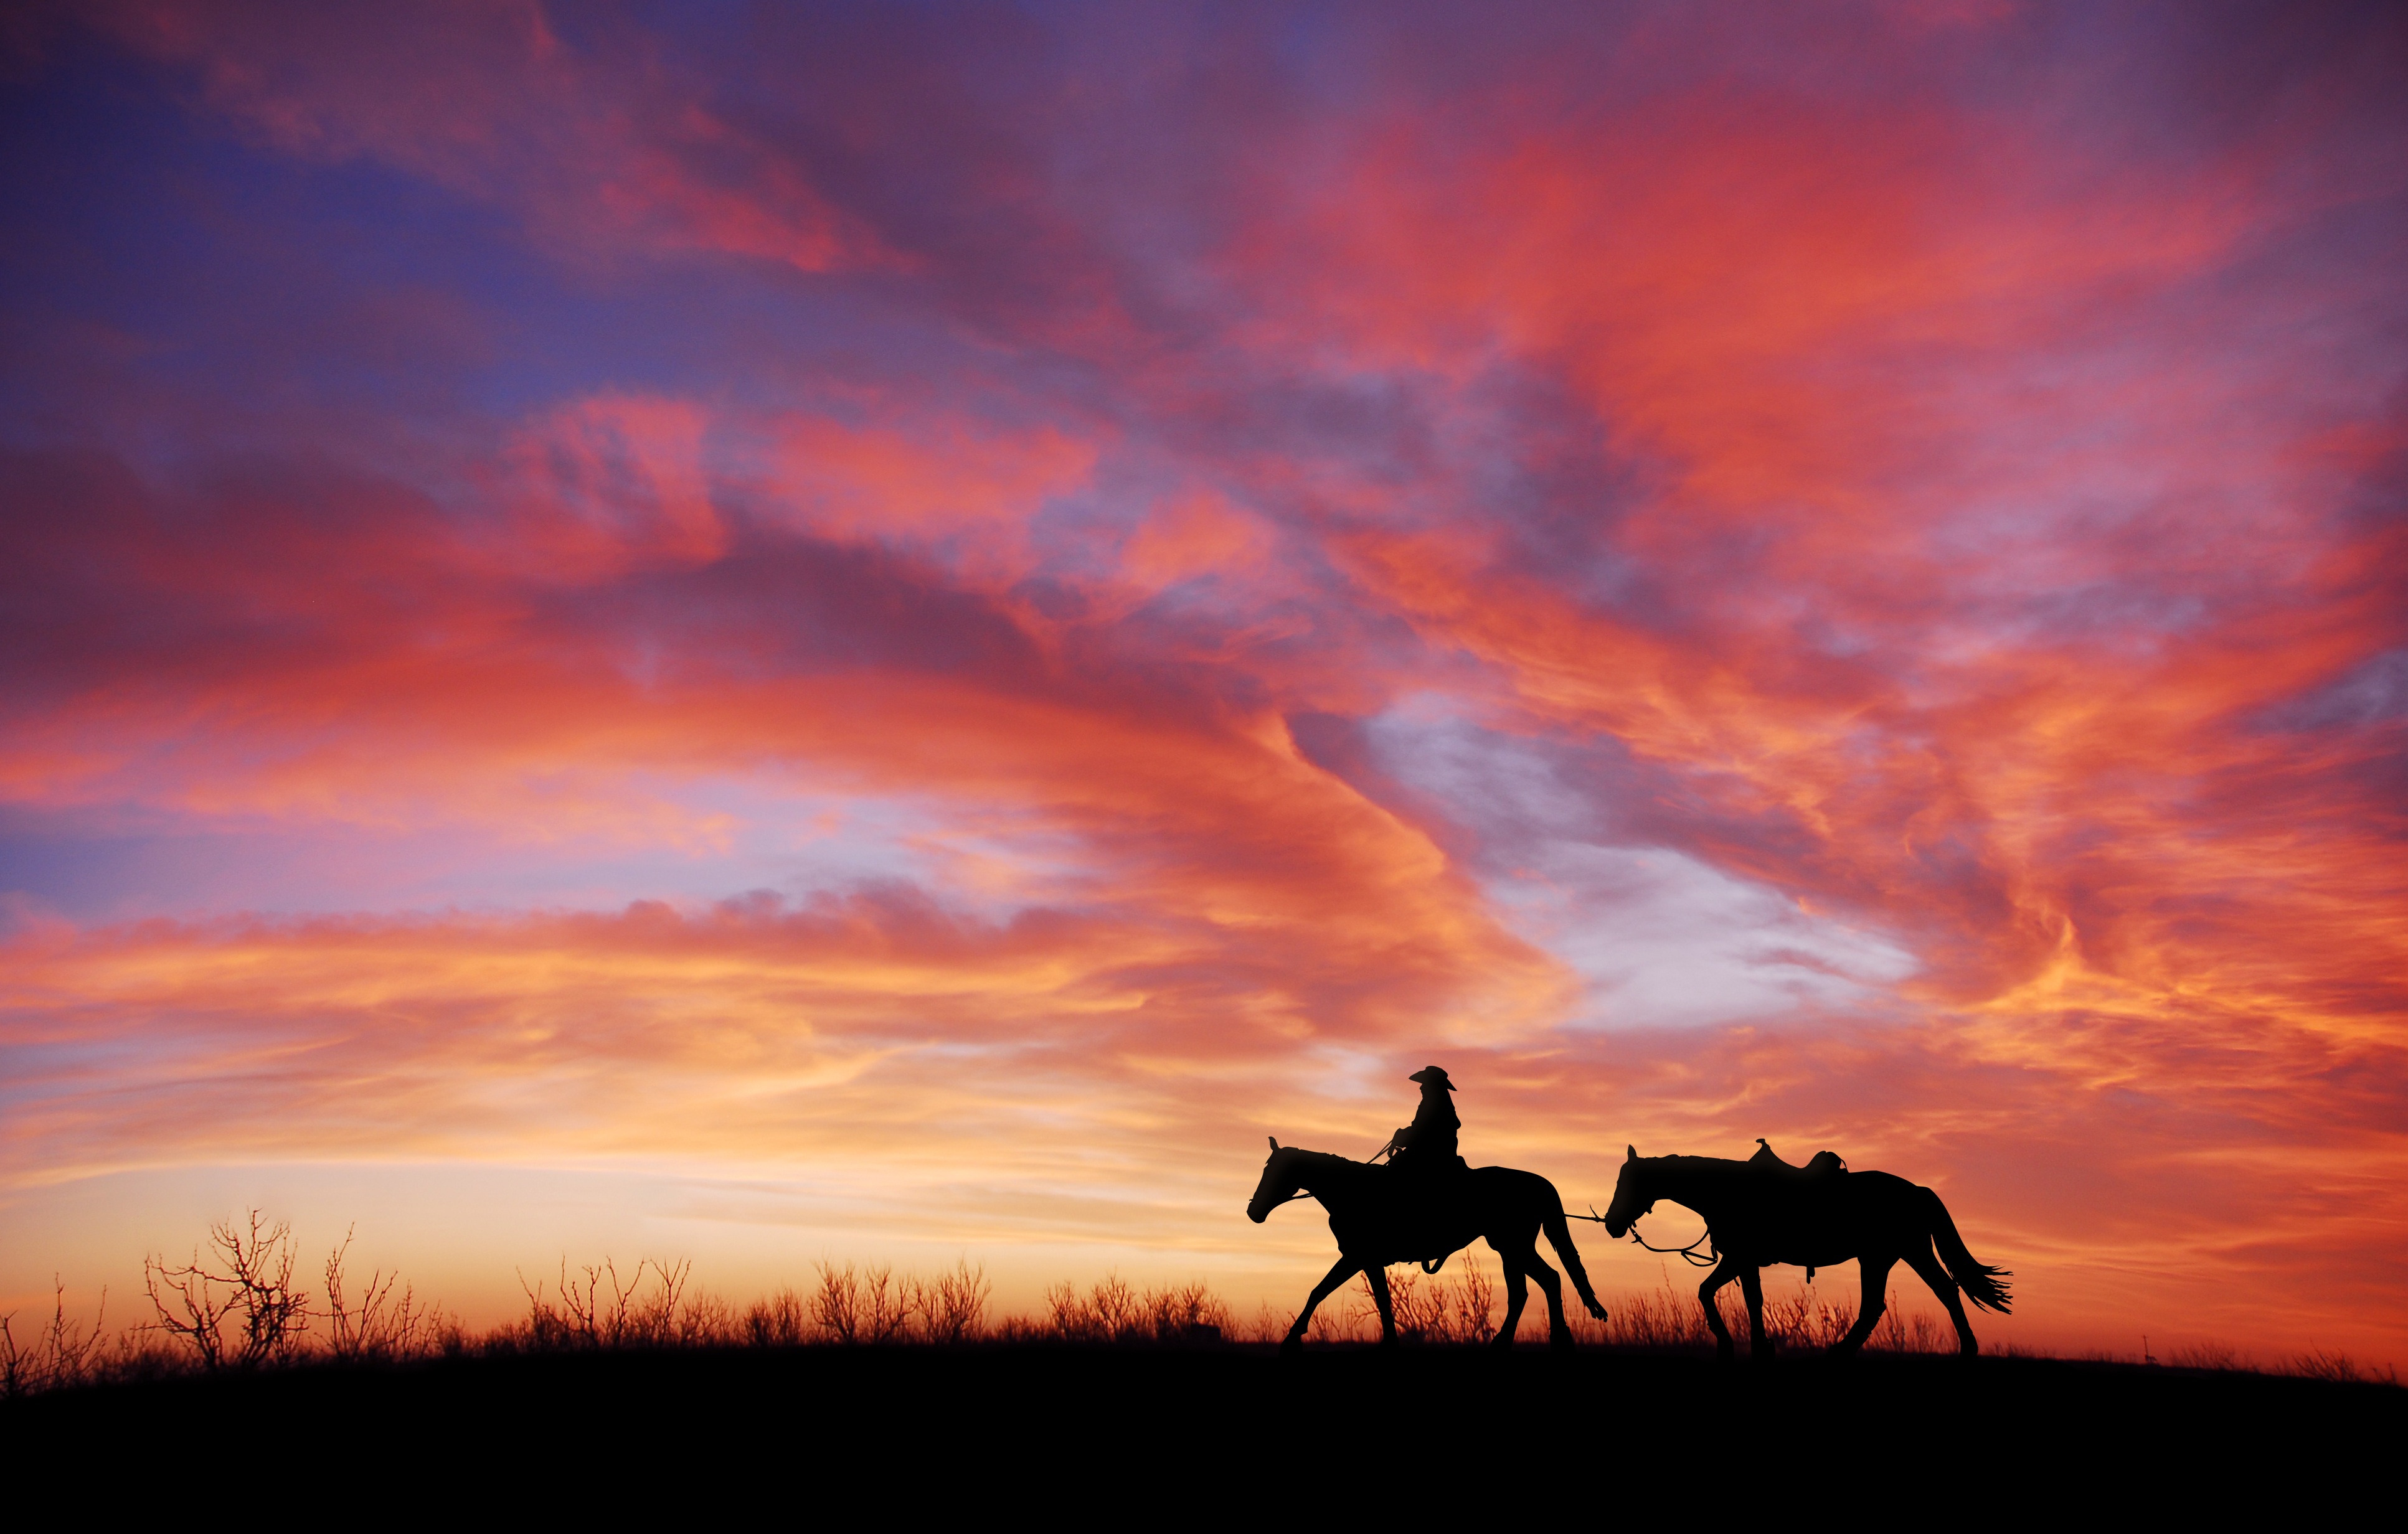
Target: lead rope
(1689, 1253)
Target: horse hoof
(1290, 1347)
(1562, 1343)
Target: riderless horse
(1764, 1211)
(1380, 1217)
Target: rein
(1689, 1253)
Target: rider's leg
(1517, 1293)
(1378, 1278)
(1724, 1272)
(1928, 1266)
(1346, 1268)
(1751, 1287)
(1874, 1271)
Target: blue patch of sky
(708, 839)
(241, 271)
(1660, 937)
(2368, 695)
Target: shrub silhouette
(594, 1308)
(384, 1326)
(953, 1306)
(854, 1306)
(1111, 1311)
(250, 1283)
(780, 1321)
(63, 1354)
(861, 1307)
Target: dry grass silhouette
(236, 1305)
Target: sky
(895, 631)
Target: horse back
(1883, 1187)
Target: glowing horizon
(887, 632)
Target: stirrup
(1431, 1268)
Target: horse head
(1280, 1178)
(1630, 1197)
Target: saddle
(1822, 1174)
(1823, 1166)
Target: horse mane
(1698, 1163)
(1323, 1156)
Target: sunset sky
(894, 631)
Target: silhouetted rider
(1427, 1148)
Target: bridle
(1709, 1258)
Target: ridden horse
(1760, 1215)
(1381, 1216)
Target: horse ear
(1634, 1153)
(1274, 1140)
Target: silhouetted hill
(927, 1427)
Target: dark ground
(1173, 1437)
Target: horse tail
(1559, 1236)
(1979, 1284)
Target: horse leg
(1346, 1268)
(1751, 1285)
(1874, 1271)
(1517, 1294)
(1559, 1331)
(1377, 1277)
(1928, 1268)
(1728, 1269)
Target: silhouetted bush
(856, 1306)
(1112, 1313)
(63, 1354)
(596, 1307)
(781, 1321)
(250, 1283)
(953, 1306)
(383, 1327)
